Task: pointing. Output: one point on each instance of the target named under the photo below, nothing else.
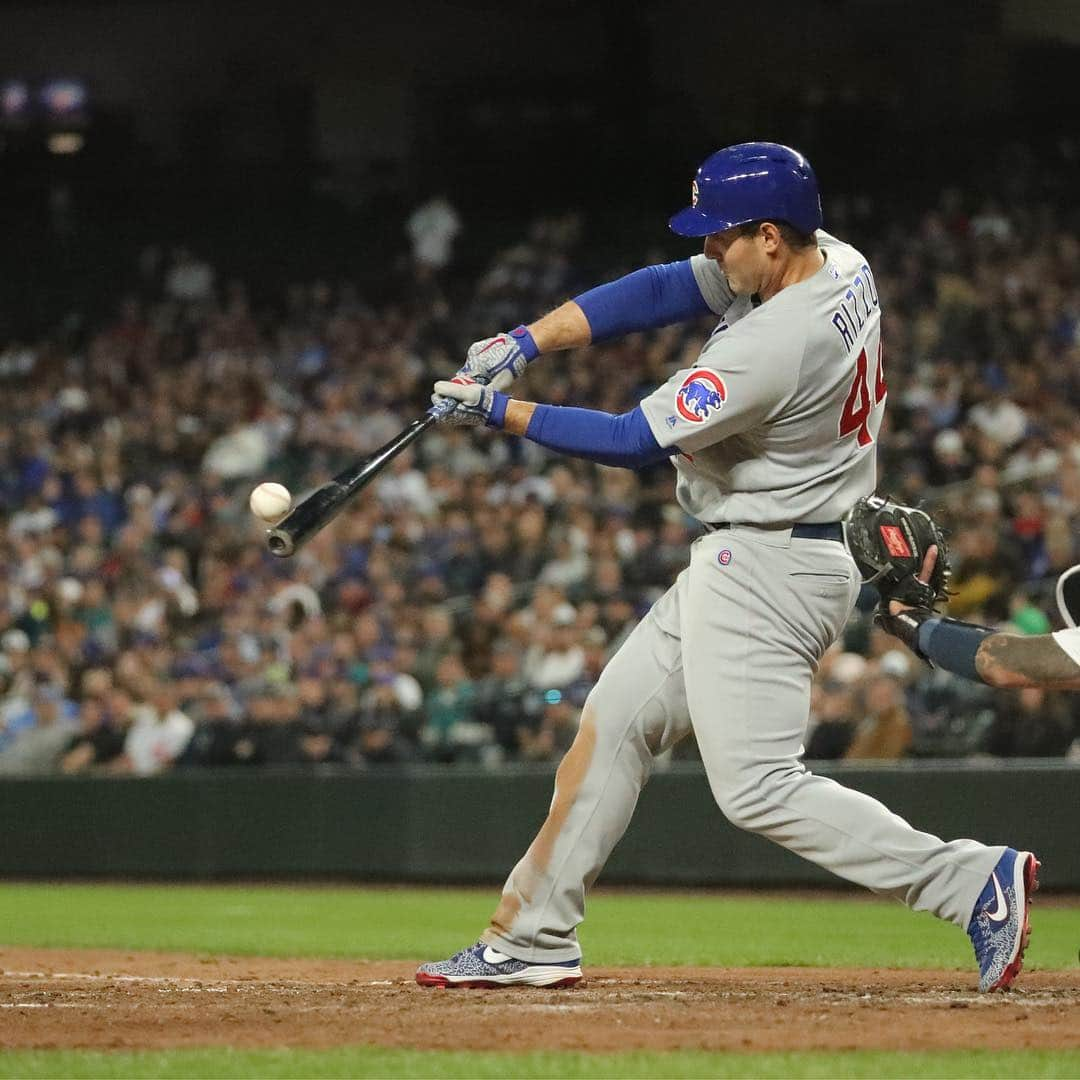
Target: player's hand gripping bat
(327, 501)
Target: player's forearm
(649, 298)
(564, 328)
(518, 415)
(1015, 661)
(624, 441)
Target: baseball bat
(326, 502)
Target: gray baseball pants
(730, 651)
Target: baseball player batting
(773, 437)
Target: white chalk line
(41, 1005)
(261, 984)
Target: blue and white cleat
(999, 928)
(483, 966)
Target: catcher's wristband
(952, 645)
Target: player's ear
(771, 236)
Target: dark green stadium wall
(457, 824)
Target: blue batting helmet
(752, 181)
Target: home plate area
(63, 998)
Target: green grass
(363, 1061)
(622, 928)
(406, 924)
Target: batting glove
(499, 360)
(463, 402)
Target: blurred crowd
(461, 610)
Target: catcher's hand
(902, 551)
(899, 549)
(922, 579)
(904, 621)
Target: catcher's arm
(902, 550)
(1004, 661)
(1014, 660)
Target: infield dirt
(53, 998)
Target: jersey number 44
(858, 405)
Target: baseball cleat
(483, 966)
(1000, 928)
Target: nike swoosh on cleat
(1002, 911)
(494, 957)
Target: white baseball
(270, 502)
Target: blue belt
(829, 530)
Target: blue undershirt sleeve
(644, 300)
(952, 645)
(624, 440)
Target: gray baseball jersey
(776, 426)
(778, 421)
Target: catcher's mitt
(889, 542)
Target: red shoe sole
(1031, 883)
(481, 984)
